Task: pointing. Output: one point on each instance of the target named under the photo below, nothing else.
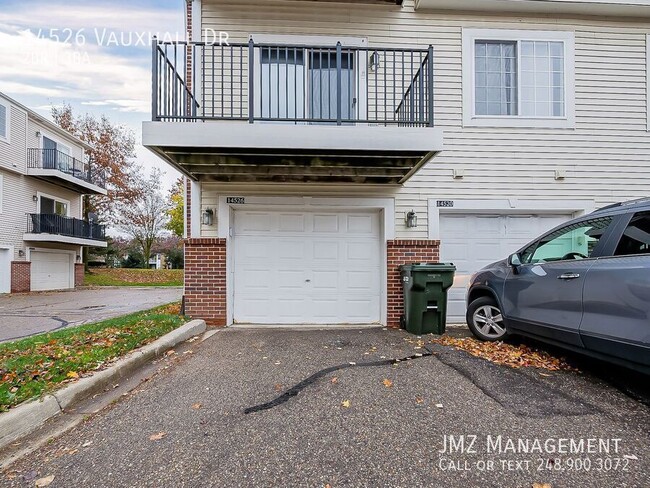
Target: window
(4, 122)
(50, 206)
(636, 237)
(574, 241)
(518, 78)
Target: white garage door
(51, 270)
(5, 270)
(307, 267)
(474, 241)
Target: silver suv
(585, 285)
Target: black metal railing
(194, 81)
(65, 226)
(60, 161)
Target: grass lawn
(30, 367)
(134, 277)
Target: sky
(94, 55)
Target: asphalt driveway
(261, 408)
(33, 313)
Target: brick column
(205, 280)
(79, 274)
(400, 252)
(21, 276)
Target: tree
(112, 159)
(172, 247)
(176, 212)
(145, 217)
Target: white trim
(195, 208)
(317, 41)
(471, 120)
(386, 207)
(71, 281)
(7, 138)
(51, 197)
(75, 241)
(55, 173)
(2, 187)
(505, 207)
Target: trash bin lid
(433, 267)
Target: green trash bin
(425, 296)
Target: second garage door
(307, 267)
(51, 270)
(474, 241)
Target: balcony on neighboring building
(64, 230)
(271, 112)
(64, 170)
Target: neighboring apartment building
(311, 137)
(44, 173)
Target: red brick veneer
(21, 279)
(79, 274)
(205, 279)
(403, 251)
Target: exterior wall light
(35, 198)
(411, 219)
(375, 61)
(207, 216)
(21, 253)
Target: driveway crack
(296, 389)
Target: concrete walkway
(34, 313)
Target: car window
(636, 237)
(573, 241)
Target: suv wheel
(485, 320)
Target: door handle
(568, 276)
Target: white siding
(18, 201)
(605, 156)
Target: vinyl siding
(18, 189)
(606, 156)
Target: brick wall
(79, 274)
(205, 280)
(21, 276)
(188, 207)
(400, 252)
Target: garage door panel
(322, 274)
(51, 270)
(326, 223)
(472, 241)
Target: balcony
(62, 169)
(64, 230)
(259, 112)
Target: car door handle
(568, 276)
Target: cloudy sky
(94, 55)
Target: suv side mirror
(514, 260)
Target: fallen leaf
(277, 387)
(71, 374)
(419, 400)
(387, 383)
(542, 485)
(170, 352)
(334, 380)
(87, 444)
(197, 406)
(41, 482)
(346, 403)
(158, 436)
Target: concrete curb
(27, 417)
